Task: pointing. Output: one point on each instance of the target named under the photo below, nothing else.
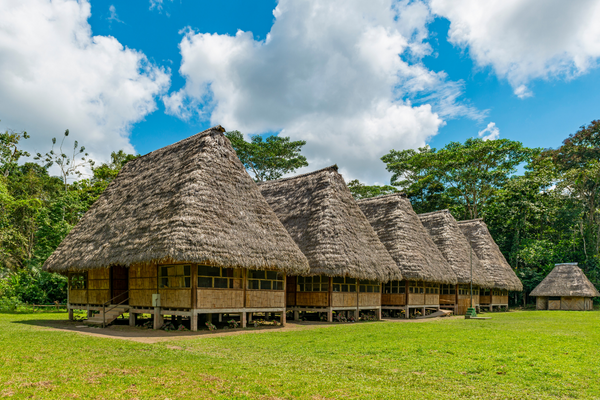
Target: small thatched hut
(565, 288)
(444, 230)
(495, 264)
(422, 264)
(347, 261)
(181, 231)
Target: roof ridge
(466, 221)
(333, 167)
(434, 212)
(399, 194)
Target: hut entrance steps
(112, 314)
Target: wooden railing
(104, 311)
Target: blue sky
(353, 79)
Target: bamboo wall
(393, 299)
(142, 284)
(219, 298)
(344, 299)
(541, 303)
(78, 296)
(485, 299)
(265, 299)
(447, 299)
(98, 286)
(499, 299)
(312, 299)
(369, 299)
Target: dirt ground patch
(142, 335)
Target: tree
(268, 159)
(578, 163)
(362, 191)
(466, 175)
(10, 153)
(68, 164)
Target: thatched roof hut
(444, 230)
(404, 236)
(320, 214)
(489, 254)
(566, 280)
(192, 201)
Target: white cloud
(329, 73)
(158, 5)
(493, 132)
(523, 40)
(55, 75)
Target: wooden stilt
(329, 314)
(70, 312)
(243, 318)
(283, 317)
(132, 318)
(379, 314)
(158, 318)
(220, 317)
(250, 317)
(194, 321)
(296, 315)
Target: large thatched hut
(181, 231)
(495, 264)
(565, 288)
(347, 261)
(444, 230)
(423, 266)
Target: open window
(313, 283)
(265, 280)
(394, 287)
(369, 286)
(344, 284)
(175, 276)
(78, 281)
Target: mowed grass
(516, 355)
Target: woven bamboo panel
(447, 299)
(78, 296)
(485, 299)
(143, 271)
(265, 298)
(141, 298)
(432, 299)
(344, 299)
(99, 273)
(499, 299)
(312, 299)
(290, 299)
(393, 299)
(369, 299)
(464, 303)
(541, 303)
(176, 298)
(98, 296)
(220, 298)
(416, 299)
(572, 303)
(143, 283)
(553, 304)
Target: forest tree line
(541, 205)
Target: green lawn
(517, 355)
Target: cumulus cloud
(523, 40)
(492, 131)
(343, 75)
(55, 75)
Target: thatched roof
(322, 217)
(402, 233)
(566, 280)
(489, 254)
(192, 201)
(444, 230)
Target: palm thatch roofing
(402, 233)
(566, 280)
(444, 230)
(192, 201)
(489, 254)
(320, 214)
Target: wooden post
(209, 318)
(220, 317)
(194, 286)
(407, 296)
(379, 314)
(194, 321)
(283, 319)
(249, 316)
(296, 315)
(329, 314)
(132, 318)
(70, 312)
(158, 318)
(243, 318)
(357, 313)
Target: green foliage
(362, 191)
(10, 153)
(268, 159)
(463, 176)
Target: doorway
(119, 283)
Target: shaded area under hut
(496, 266)
(347, 261)
(565, 288)
(182, 231)
(422, 265)
(444, 230)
